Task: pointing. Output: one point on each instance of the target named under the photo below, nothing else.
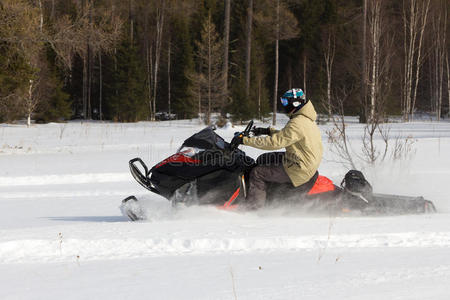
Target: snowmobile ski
(131, 209)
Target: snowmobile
(207, 170)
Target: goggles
(284, 101)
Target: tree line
(128, 60)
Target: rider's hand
(261, 131)
(237, 140)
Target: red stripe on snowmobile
(322, 184)
(177, 158)
(228, 204)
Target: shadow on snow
(107, 219)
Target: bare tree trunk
(89, 84)
(275, 89)
(168, 77)
(41, 16)
(85, 74)
(431, 84)
(419, 55)
(226, 50)
(30, 103)
(304, 71)
(90, 62)
(148, 61)
(200, 103)
(208, 117)
(100, 87)
(148, 65)
(149, 79)
(259, 97)
(52, 14)
(329, 60)
(159, 34)
(448, 84)
(414, 23)
(363, 113)
(375, 31)
(289, 75)
(116, 91)
(379, 76)
(248, 47)
(409, 49)
(131, 18)
(86, 63)
(439, 22)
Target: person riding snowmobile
(303, 143)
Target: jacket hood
(307, 110)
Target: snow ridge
(64, 179)
(45, 250)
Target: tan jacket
(303, 143)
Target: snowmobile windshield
(206, 139)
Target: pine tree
(13, 68)
(183, 101)
(209, 77)
(129, 104)
(58, 104)
(19, 59)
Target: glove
(237, 140)
(261, 131)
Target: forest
(131, 60)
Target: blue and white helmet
(293, 100)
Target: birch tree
(438, 54)
(363, 110)
(375, 23)
(160, 16)
(329, 50)
(415, 18)
(380, 53)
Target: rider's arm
(273, 130)
(278, 140)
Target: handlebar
(246, 133)
(247, 129)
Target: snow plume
(155, 209)
(420, 170)
(418, 176)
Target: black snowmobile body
(207, 170)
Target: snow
(62, 234)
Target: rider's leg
(270, 159)
(271, 171)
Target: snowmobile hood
(307, 111)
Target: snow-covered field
(62, 235)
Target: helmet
(293, 100)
